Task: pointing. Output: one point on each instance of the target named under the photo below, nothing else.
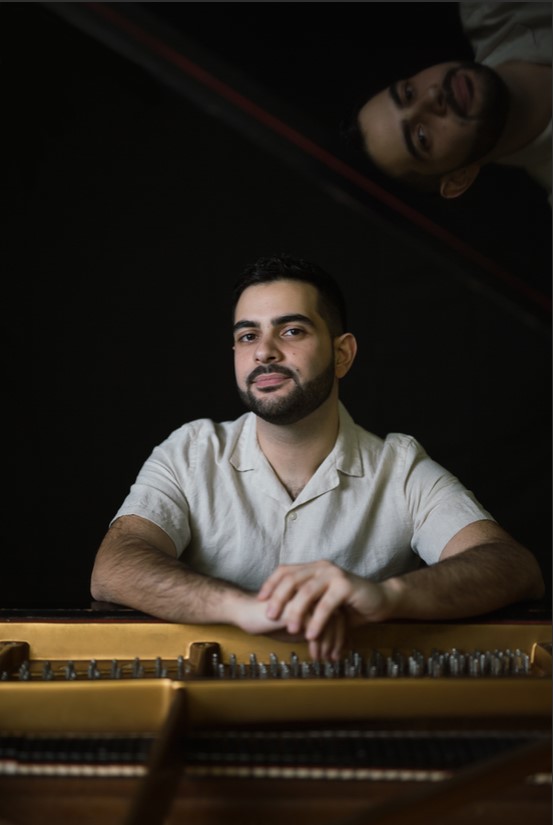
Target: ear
(345, 350)
(455, 183)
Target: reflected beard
(297, 404)
(491, 118)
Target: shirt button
(292, 516)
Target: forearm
(477, 581)
(133, 573)
(133, 570)
(468, 582)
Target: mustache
(266, 370)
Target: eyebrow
(394, 94)
(411, 148)
(406, 131)
(275, 322)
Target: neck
(529, 86)
(295, 451)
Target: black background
(133, 201)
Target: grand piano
(110, 716)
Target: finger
(270, 583)
(314, 650)
(296, 572)
(294, 593)
(300, 604)
(323, 610)
(340, 635)
(330, 644)
(280, 598)
(329, 639)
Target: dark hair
(349, 129)
(284, 267)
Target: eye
(293, 332)
(246, 338)
(408, 93)
(422, 138)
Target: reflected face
(439, 120)
(283, 351)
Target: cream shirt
(501, 32)
(375, 507)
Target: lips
(270, 380)
(463, 92)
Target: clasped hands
(321, 602)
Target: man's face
(444, 118)
(283, 351)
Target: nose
(267, 350)
(433, 100)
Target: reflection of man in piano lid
(437, 128)
(292, 518)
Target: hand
(251, 616)
(330, 643)
(306, 596)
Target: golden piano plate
(182, 702)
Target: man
(436, 129)
(292, 518)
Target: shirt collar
(345, 455)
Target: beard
(302, 400)
(492, 117)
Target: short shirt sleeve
(439, 504)
(158, 495)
